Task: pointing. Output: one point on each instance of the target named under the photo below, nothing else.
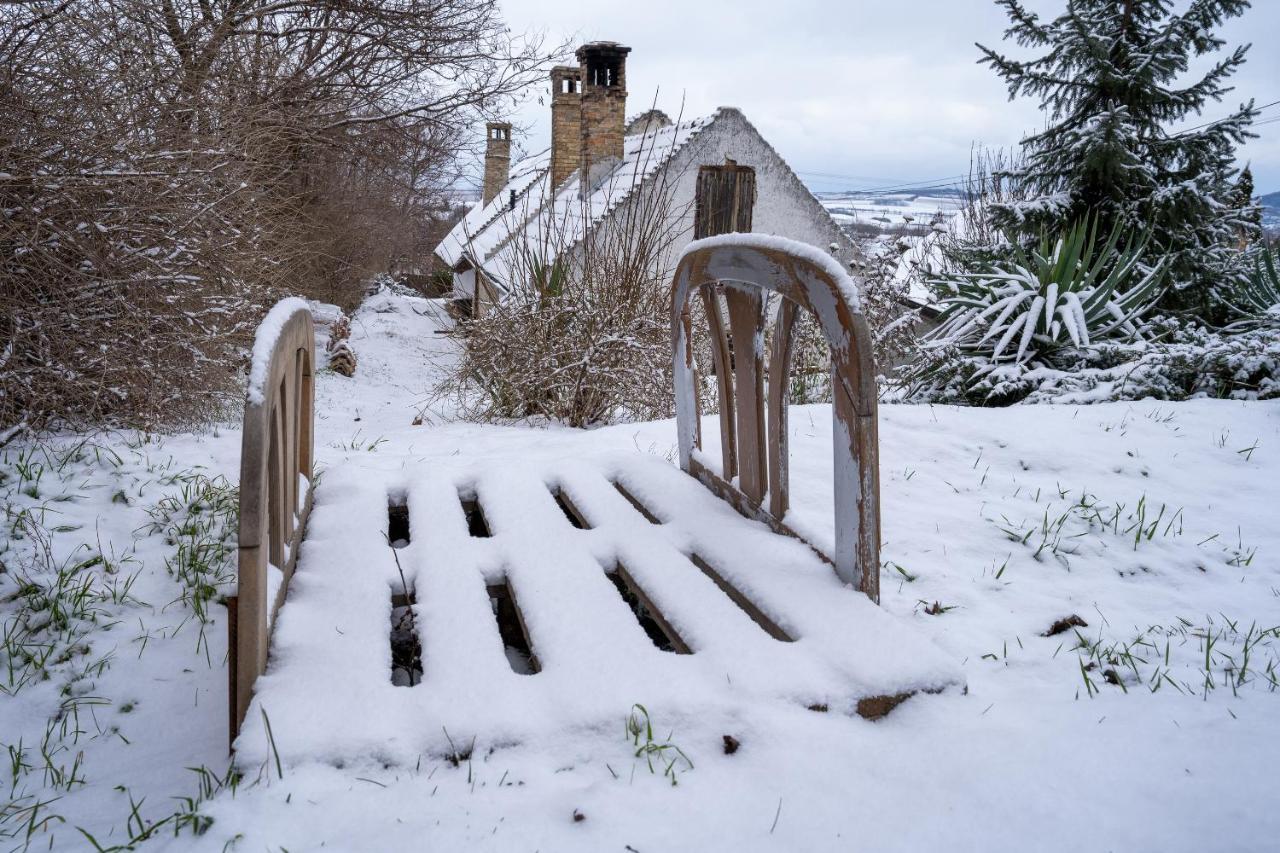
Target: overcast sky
(854, 94)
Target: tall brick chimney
(497, 158)
(604, 107)
(566, 122)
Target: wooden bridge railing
(741, 269)
(275, 489)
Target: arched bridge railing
(275, 488)
(753, 429)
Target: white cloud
(886, 90)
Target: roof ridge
(519, 195)
(695, 125)
(675, 149)
(465, 237)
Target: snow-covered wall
(784, 206)
(464, 284)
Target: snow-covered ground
(1149, 725)
(885, 210)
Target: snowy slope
(889, 209)
(1270, 210)
(1153, 523)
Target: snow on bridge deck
(328, 690)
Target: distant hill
(885, 211)
(882, 211)
(1270, 211)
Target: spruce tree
(1249, 209)
(1109, 78)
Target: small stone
(876, 707)
(578, 817)
(1063, 625)
(731, 744)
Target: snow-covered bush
(597, 350)
(1171, 361)
(167, 170)
(884, 297)
(1071, 326)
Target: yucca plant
(1069, 291)
(1256, 295)
(547, 279)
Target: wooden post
(746, 326)
(724, 204)
(779, 402)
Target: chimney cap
(602, 49)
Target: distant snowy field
(889, 209)
(1150, 727)
(1271, 211)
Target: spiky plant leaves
(1256, 295)
(1067, 292)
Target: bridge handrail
(743, 267)
(275, 489)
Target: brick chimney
(497, 158)
(566, 122)
(604, 106)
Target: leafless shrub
(987, 185)
(884, 294)
(169, 167)
(892, 322)
(583, 336)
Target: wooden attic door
(734, 280)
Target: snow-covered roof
(474, 234)
(527, 215)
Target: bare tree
(167, 167)
(582, 334)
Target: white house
(601, 168)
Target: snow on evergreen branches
(1110, 81)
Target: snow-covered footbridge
(380, 610)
